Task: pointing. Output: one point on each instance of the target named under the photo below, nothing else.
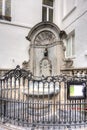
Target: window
(5, 10)
(47, 10)
(70, 46)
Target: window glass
(70, 49)
(48, 2)
(8, 7)
(73, 45)
(0, 7)
(68, 52)
(47, 10)
(51, 15)
(5, 10)
(44, 14)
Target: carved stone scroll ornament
(44, 38)
(25, 65)
(68, 63)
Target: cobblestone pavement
(13, 127)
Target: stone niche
(43, 37)
(45, 65)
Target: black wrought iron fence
(46, 101)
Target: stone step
(8, 126)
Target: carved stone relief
(68, 63)
(44, 38)
(45, 67)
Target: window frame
(66, 12)
(48, 7)
(70, 46)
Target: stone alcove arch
(41, 27)
(45, 35)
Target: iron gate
(30, 101)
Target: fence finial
(18, 66)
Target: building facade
(18, 18)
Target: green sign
(76, 90)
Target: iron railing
(30, 101)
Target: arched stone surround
(45, 35)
